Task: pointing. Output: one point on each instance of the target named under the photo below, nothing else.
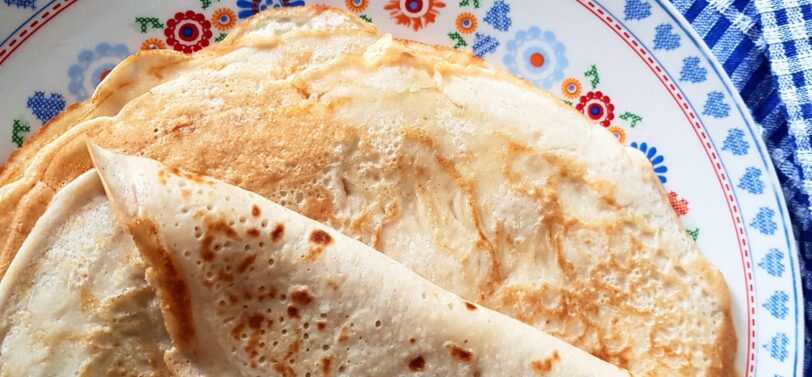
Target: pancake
(280, 43)
(248, 287)
(474, 179)
(75, 302)
(143, 70)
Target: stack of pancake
(436, 216)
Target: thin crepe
(249, 288)
(75, 302)
(467, 175)
(280, 43)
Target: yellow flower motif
(466, 23)
(356, 6)
(153, 44)
(619, 133)
(223, 18)
(571, 87)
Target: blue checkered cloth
(766, 48)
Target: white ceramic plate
(633, 66)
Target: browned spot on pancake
(417, 364)
(344, 334)
(320, 237)
(271, 292)
(232, 298)
(173, 293)
(255, 344)
(281, 364)
(332, 284)
(255, 321)
(206, 251)
(253, 232)
(326, 364)
(162, 176)
(185, 193)
(313, 253)
(470, 306)
(277, 232)
(301, 296)
(303, 91)
(284, 369)
(545, 365)
(459, 353)
(255, 211)
(194, 177)
(220, 226)
(412, 340)
(236, 332)
(246, 263)
(293, 312)
(212, 228)
(321, 324)
(293, 348)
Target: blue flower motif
(92, 66)
(249, 8)
(657, 161)
(537, 56)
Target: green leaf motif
(221, 37)
(465, 3)
(693, 232)
(206, 3)
(366, 18)
(145, 23)
(458, 40)
(18, 127)
(592, 75)
(632, 118)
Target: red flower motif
(414, 13)
(188, 32)
(679, 205)
(597, 107)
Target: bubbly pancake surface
(465, 174)
(250, 288)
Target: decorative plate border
(699, 129)
(30, 26)
(768, 341)
(763, 238)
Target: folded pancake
(474, 179)
(271, 46)
(75, 302)
(248, 287)
(143, 70)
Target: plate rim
(761, 147)
(753, 128)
